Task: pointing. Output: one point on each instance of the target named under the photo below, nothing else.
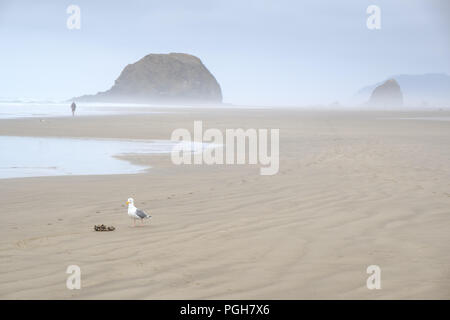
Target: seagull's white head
(130, 201)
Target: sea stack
(162, 78)
(387, 95)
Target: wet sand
(354, 189)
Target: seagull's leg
(142, 221)
(134, 222)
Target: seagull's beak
(127, 202)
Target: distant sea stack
(387, 95)
(432, 89)
(162, 78)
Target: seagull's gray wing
(141, 214)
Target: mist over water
(285, 52)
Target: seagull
(136, 213)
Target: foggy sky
(261, 52)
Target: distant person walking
(73, 107)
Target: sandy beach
(355, 188)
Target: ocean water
(427, 118)
(10, 110)
(40, 156)
(13, 110)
